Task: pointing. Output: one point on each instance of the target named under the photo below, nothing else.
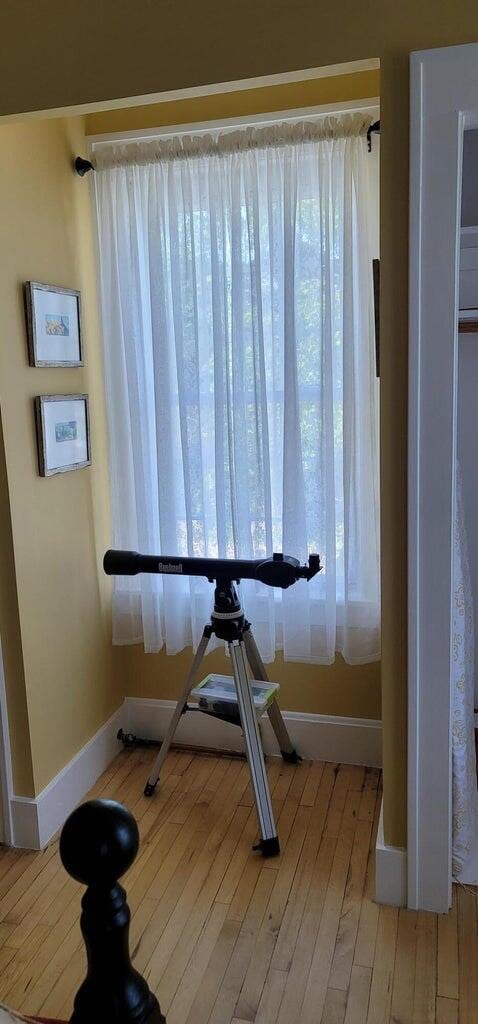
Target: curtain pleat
(237, 311)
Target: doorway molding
(6, 775)
(443, 102)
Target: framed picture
(63, 433)
(53, 325)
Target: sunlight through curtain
(237, 307)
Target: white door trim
(6, 775)
(444, 100)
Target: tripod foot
(150, 788)
(126, 738)
(291, 757)
(268, 847)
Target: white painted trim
(444, 100)
(370, 104)
(469, 237)
(390, 871)
(36, 820)
(316, 737)
(415, 217)
(6, 775)
(212, 89)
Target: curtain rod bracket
(83, 166)
(375, 127)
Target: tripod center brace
(228, 623)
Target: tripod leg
(286, 746)
(168, 739)
(269, 844)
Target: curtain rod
(375, 127)
(83, 166)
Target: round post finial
(98, 844)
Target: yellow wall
(135, 47)
(11, 642)
(54, 623)
(339, 689)
(314, 91)
(54, 599)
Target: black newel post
(98, 844)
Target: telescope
(278, 571)
(228, 623)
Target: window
(238, 320)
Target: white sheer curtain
(238, 326)
(464, 784)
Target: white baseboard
(390, 871)
(35, 820)
(316, 737)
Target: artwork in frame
(63, 433)
(54, 329)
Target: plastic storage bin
(217, 695)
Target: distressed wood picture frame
(54, 335)
(63, 433)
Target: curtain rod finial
(83, 166)
(375, 127)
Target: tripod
(228, 623)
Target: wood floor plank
(382, 975)
(176, 876)
(311, 787)
(242, 853)
(334, 1007)
(447, 961)
(188, 985)
(424, 997)
(254, 981)
(317, 982)
(358, 996)
(155, 949)
(291, 921)
(350, 915)
(405, 964)
(271, 997)
(225, 937)
(224, 1006)
(14, 962)
(208, 990)
(309, 927)
(59, 1001)
(369, 795)
(175, 957)
(290, 806)
(467, 956)
(27, 863)
(446, 1010)
(364, 953)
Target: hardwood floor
(225, 937)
